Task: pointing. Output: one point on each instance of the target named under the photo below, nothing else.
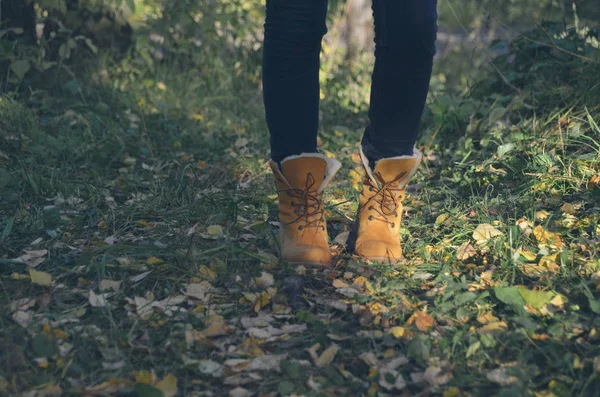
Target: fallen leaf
(436, 376)
(423, 320)
(210, 367)
(108, 388)
(200, 291)
(215, 231)
(465, 251)
(327, 356)
(33, 258)
(108, 285)
(485, 232)
(398, 332)
(391, 380)
(501, 377)
(23, 318)
(265, 280)
(154, 261)
(168, 385)
(240, 392)
(139, 277)
(545, 237)
(97, 300)
(40, 278)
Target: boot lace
(387, 197)
(309, 205)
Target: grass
(150, 210)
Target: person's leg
(405, 34)
(292, 45)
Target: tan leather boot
(380, 211)
(300, 184)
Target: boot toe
(379, 251)
(308, 255)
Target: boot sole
(382, 259)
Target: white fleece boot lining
(333, 166)
(416, 155)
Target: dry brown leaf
(423, 321)
(337, 283)
(465, 251)
(485, 232)
(486, 318)
(545, 237)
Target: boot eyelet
(300, 227)
(370, 217)
(323, 227)
(371, 189)
(370, 208)
(393, 225)
(293, 204)
(396, 215)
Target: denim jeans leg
(294, 30)
(405, 34)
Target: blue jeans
(405, 34)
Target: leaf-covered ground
(138, 250)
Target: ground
(138, 240)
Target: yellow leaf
(207, 273)
(398, 332)
(197, 117)
(153, 261)
(548, 238)
(161, 86)
(329, 154)
(569, 208)
(143, 223)
(216, 326)
(528, 255)
(215, 230)
(594, 181)
(40, 278)
(146, 377)
(168, 385)
(452, 392)
(377, 308)
(542, 215)
(18, 276)
(328, 355)
(496, 326)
